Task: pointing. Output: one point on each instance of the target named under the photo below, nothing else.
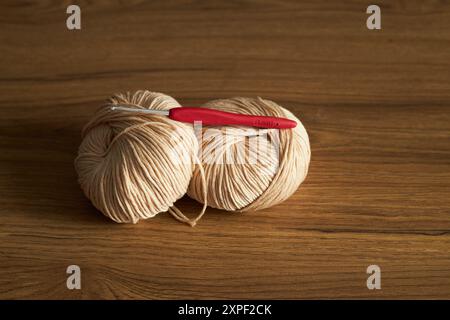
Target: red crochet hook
(216, 117)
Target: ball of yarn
(250, 169)
(133, 166)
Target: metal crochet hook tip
(148, 111)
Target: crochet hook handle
(217, 117)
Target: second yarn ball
(250, 169)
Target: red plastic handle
(216, 117)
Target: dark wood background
(376, 105)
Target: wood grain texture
(375, 103)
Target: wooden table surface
(376, 104)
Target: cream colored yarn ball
(250, 185)
(133, 166)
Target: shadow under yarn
(37, 171)
(41, 181)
